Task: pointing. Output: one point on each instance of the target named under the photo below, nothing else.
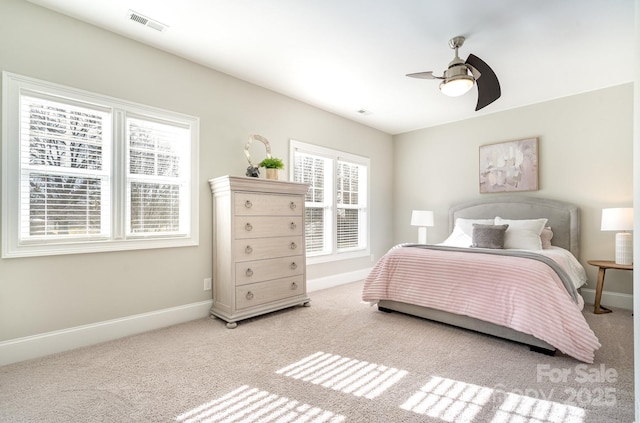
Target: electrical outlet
(207, 284)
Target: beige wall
(585, 157)
(44, 294)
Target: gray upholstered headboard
(564, 218)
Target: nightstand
(603, 265)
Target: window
(85, 173)
(336, 221)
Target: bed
(530, 297)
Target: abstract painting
(509, 166)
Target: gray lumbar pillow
(488, 236)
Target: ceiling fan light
(456, 86)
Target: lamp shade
(617, 219)
(422, 218)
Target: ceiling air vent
(141, 19)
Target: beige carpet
(337, 361)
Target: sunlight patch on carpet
(251, 405)
(520, 408)
(460, 402)
(348, 375)
(449, 400)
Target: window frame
(333, 253)
(13, 88)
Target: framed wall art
(509, 166)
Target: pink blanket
(520, 293)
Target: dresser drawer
(265, 292)
(265, 226)
(252, 204)
(263, 270)
(262, 248)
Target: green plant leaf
(272, 163)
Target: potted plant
(272, 164)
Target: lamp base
(624, 248)
(422, 235)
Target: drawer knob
(293, 225)
(292, 205)
(248, 226)
(293, 245)
(293, 266)
(248, 204)
(248, 249)
(249, 295)
(294, 286)
(249, 272)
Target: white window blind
(64, 186)
(313, 170)
(84, 172)
(336, 203)
(156, 182)
(351, 211)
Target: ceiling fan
(460, 77)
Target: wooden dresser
(259, 250)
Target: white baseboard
(335, 280)
(20, 349)
(609, 299)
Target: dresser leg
(232, 325)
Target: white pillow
(458, 239)
(523, 234)
(466, 225)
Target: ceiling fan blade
(488, 84)
(424, 75)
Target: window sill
(95, 247)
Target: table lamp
(621, 220)
(422, 219)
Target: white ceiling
(349, 55)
